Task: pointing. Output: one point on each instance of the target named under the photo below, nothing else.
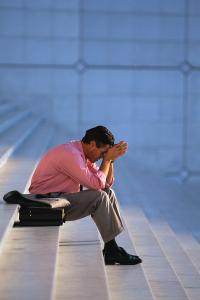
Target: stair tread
(11, 119)
(11, 114)
(156, 267)
(80, 272)
(126, 281)
(11, 137)
(160, 273)
(28, 263)
(191, 247)
(21, 163)
(29, 266)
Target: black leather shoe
(122, 250)
(121, 257)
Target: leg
(102, 205)
(113, 254)
(114, 202)
(96, 203)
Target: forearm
(110, 175)
(105, 166)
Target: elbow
(102, 186)
(98, 185)
(110, 184)
(96, 182)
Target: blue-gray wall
(132, 65)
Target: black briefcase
(36, 210)
(40, 216)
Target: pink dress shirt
(64, 168)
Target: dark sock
(111, 246)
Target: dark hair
(100, 134)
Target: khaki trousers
(103, 207)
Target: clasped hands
(116, 151)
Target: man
(62, 171)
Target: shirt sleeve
(74, 166)
(94, 168)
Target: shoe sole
(122, 263)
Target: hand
(116, 151)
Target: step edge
(4, 158)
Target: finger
(123, 150)
(118, 144)
(121, 145)
(124, 144)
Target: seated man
(62, 171)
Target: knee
(103, 197)
(103, 194)
(110, 192)
(108, 196)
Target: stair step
(28, 255)
(184, 268)
(158, 203)
(12, 134)
(10, 114)
(128, 282)
(160, 274)
(80, 268)
(11, 140)
(191, 247)
(14, 175)
(11, 119)
(28, 263)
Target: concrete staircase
(159, 233)
(66, 262)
